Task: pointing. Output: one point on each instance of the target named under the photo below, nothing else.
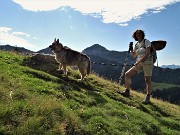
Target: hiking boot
(146, 100)
(126, 93)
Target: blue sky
(79, 24)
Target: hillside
(108, 64)
(167, 81)
(36, 99)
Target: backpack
(153, 53)
(155, 46)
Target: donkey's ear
(58, 40)
(55, 40)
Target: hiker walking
(143, 63)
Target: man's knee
(148, 78)
(129, 74)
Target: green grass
(162, 86)
(41, 103)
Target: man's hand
(131, 46)
(135, 64)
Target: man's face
(138, 34)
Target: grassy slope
(45, 104)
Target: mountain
(45, 51)
(171, 66)
(15, 48)
(107, 63)
(114, 56)
(24, 50)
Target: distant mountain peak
(97, 47)
(173, 66)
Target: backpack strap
(144, 44)
(136, 46)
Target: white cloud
(12, 38)
(4, 29)
(35, 38)
(124, 24)
(111, 11)
(20, 34)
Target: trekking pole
(125, 62)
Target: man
(143, 63)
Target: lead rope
(123, 69)
(124, 66)
(157, 59)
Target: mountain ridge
(93, 47)
(172, 66)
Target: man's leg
(148, 89)
(128, 76)
(148, 67)
(148, 84)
